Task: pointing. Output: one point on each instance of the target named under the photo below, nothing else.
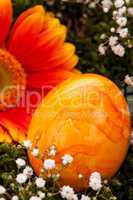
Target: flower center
(12, 80)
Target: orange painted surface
(88, 118)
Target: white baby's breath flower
(15, 197)
(103, 36)
(49, 164)
(121, 21)
(113, 40)
(118, 3)
(52, 152)
(74, 197)
(123, 32)
(35, 198)
(130, 11)
(84, 197)
(40, 183)
(119, 50)
(2, 190)
(106, 5)
(20, 162)
(128, 80)
(112, 29)
(95, 181)
(28, 171)
(67, 159)
(21, 178)
(66, 192)
(41, 194)
(35, 152)
(102, 49)
(122, 11)
(92, 5)
(27, 144)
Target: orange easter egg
(88, 118)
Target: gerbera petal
(5, 19)
(26, 32)
(62, 57)
(14, 124)
(43, 34)
(25, 14)
(48, 79)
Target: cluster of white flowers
(21, 178)
(95, 181)
(49, 164)
(68, 193)
(35, 152)
(20, 162)
(67, 159)
(119, 36)
(27, 144)
(40, 182)
(28, 171)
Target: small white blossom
(95, 181)
(41, 194)
(119, 50)
(112, 29)
(128, 80)
(84, 197)
(67, 159)
(122, 11)
(35, 198)
(49, 164)
(115, 13)
(74, 197)
(130, 11)
(92, 5)
(113, 40)
(20, 162)
(40, 183)
(21, 178)
(123, 32)
(67, 192)
(28, 171)
(52, 152)
(35, 152)
(2, 190)
(15, 197)
(121, 21)
(102, 49)
(103, 36)
(27, 144)
(106, 4)
(2, 198)
(118, 3)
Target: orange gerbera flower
(33, 56)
